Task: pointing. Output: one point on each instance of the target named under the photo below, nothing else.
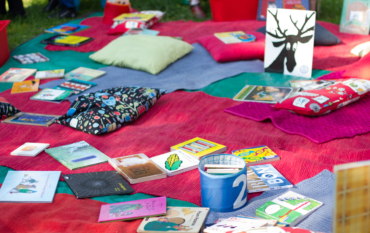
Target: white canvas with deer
(290, 42)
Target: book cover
(263, 94)
(29, 186)
(141, 31)
(64, 40)
(50, 74)
(235, 37)
(26, 86)
(16, 75)
(31, 58)
(199, 147)
(133, 209)
(67, 28)
(30, 149)
(256, 155)
(49, 94)
(134, 17)
(262, 8)
(235, 224)
(355, 17)
(289, 208)
(75, 85)
(175, 162)
(293, 4)
(24, 118)
(97, 184)
(183, 219)
(137, 168)
(84, 74)
(264, 178)
(77, 155)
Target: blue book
(29, 186)
(264, 178)
(282, 4)
(67, 28)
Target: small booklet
(26, 86)
(24, 118)
(50, 74)
(29, 186)
(71, 41)
(16, 75)
(307, 85)
(30, 149)
(235, 224)
(67, 28)
(263, 94)
(52, 95)
(177, 219)
(235, 37)
(256, 155)
(75, 85)
(31, 58)
(84, 74)
(141, 31)
(289, 208)
(134, 17)
(176, 162)
(137, 168)
(97, 184)
(133, 209)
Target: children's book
(262, 8)
(30, 149)
(70, 41)
(199, 147)
(133, 209)
(141, 31)
(26, 86)
(263, 94)
(307, 85)
(256, 155)
(137, 168)
(31, 58)
(355, 18)
(24, 118)
(52, 95)
(264, 178)
(77, 155)
(235, 37)
(235, 224)
(176, 162)
(50, 74)
(177, 219)
(84, 74)
(75, 85)
(97, 184)
(135, 17)
(293, 4)
(29, 186)
(289, 208)
(16, 75)
(67, 28)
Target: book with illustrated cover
(30, 149)
(26, 86)
(64, 40)
(50, 74)
(199, 147)
(52, 95)
(29, 186)
(133, 209)
(177, 219)
(134, 17)
(141, 31)
(16, 75)
(97, 184)
(75, 85)
(256, 155)
(307, 85)
(176, 162)
(263, 94)
(355, 18)
(24, 118)
(289, 208)
(265, 177)
(31, 58)
(235, 224)
(67, 28)
(262, 8)
(77, 155)
(84, 74)
(293, 4)
(137, 168)
(235, 37)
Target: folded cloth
(344, 123)
(319, 187)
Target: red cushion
(222, 52)
(118, 29)
(360, 69)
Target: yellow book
(26, 86)
(199, 147)
(72, 40)
(256, 155)
(135, 17)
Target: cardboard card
(263, 94)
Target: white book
(49, 74)
(176, 162)
(235, 224)
(30, 149)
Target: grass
(22, 29)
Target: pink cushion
(222, 52)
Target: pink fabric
(333, 75)
(360, 69)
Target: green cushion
(142, 52)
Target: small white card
(175, 162)
(30, 149)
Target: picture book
(67, 28)
(263, 94)
(265, 177)
(355, 18)
(293, 4)
(289, 42)
(183, 219)
(307, 85)
(77, 155)
(64, 40)
(134, 17)
(29, 186)
(84, 74)
(235, 224)
(97, 184)
(289, 208)
(31, 58)
(235, 37)
(141, 31)
(133, 209)
(24, 118)
(199, 147)
(137, 168)
(16, 75)
(176, 162)
(52, 95)
(26, 86)
(256, 155)
(30, 149)
(75, 85)
(262, 8)
(50, 74)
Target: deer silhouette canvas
(289, 42)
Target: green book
(355, 18)
(52, 95)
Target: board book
(52, 95)
(265, 177)
(134, 17)
(235, 37)
(141, 31)
(177, 219)
(137, 168)
(16, 75)
(30, 149)
(50, 74)
(355, 17)
(75, 85)
(256, 155)
(263, 94)
(97, 184)
(306, 85)
(84, 74)
(77, 155)
(25, 86)
(235, 224)
(133, 209)
(67, 28)
(24, 118)
(70, 41)
(31, 58)
(199, 147)
(29, 186)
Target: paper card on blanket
(264, 94)
(307, 85)
(16, 75)
(289, 42)
(31, 58)
(50, 74)
(30, 149)
(355, 18)
(256, 155)
(26, 86)
(176, 162)
(24, 118)
(52, 95)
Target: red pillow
(359, 69)
(222, 52)
(319, 102)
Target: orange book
(26, 86)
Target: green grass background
(22, 29)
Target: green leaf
(172, 159)
(176, 165)
(167, 166)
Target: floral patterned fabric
(6, 109)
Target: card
(84, 74)
(50, 74)
(67, 28)
(141, 31)
(26, 86)
(49, 94)
(263, 94)
(30, 149)
(235, 37)
(16, 75)
(256, 155)
(75, 85)
(31, 58)
(24, 118)
(176, 162)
